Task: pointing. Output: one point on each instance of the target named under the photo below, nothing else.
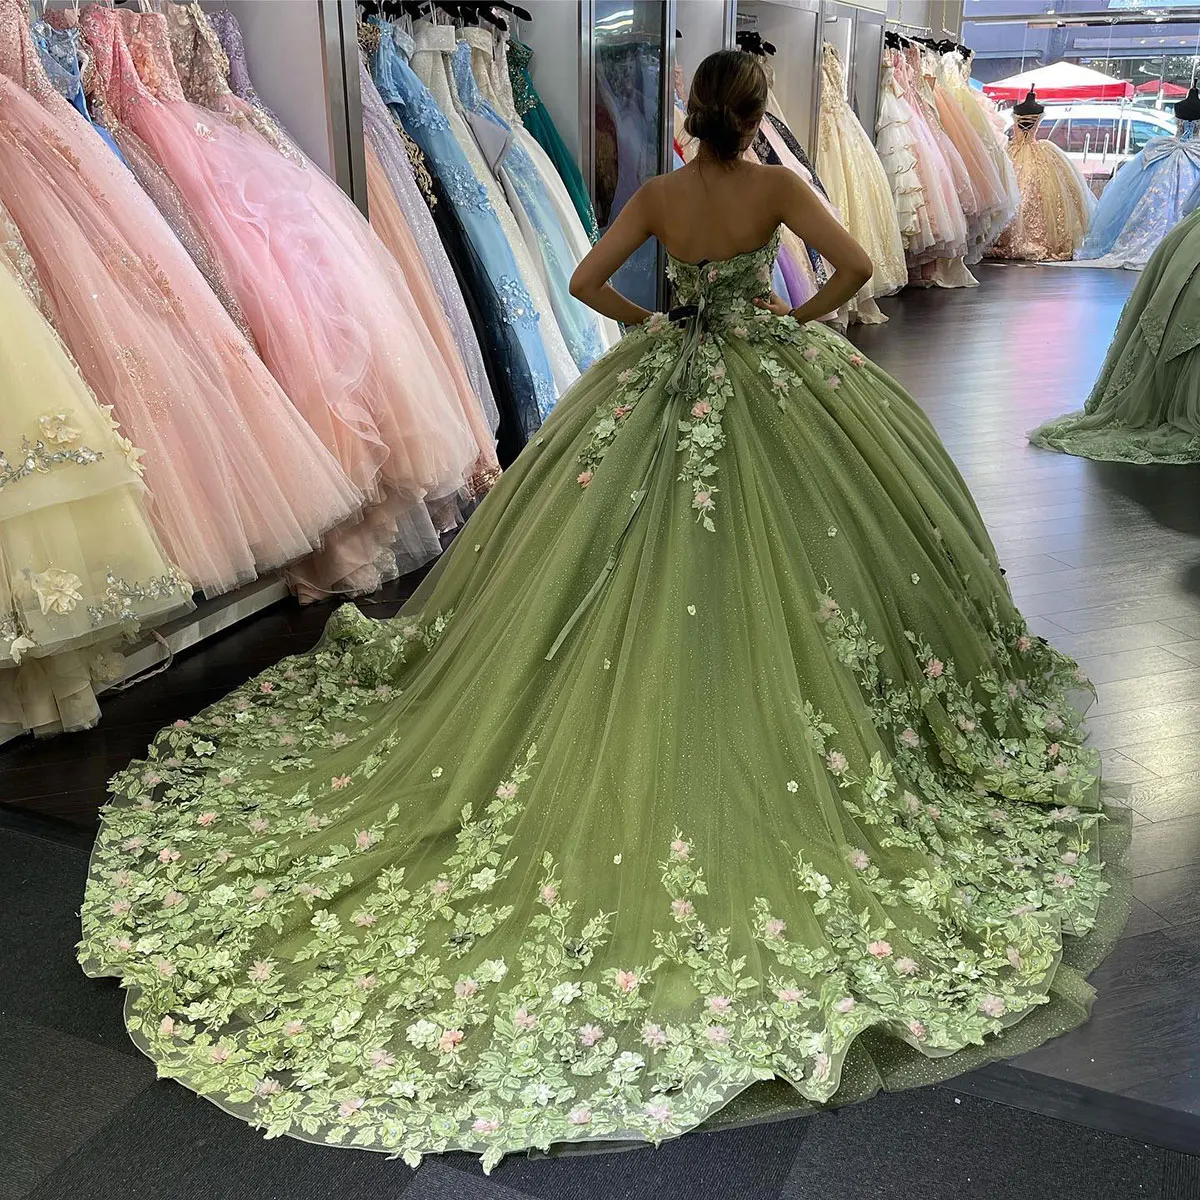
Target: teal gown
(711, 775)
(1145, 406)
(536, 118)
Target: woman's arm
(816, 226)
(590, 283)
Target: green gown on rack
(1145, 407)
(711, 774)
(536, 118)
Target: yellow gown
(80, 565)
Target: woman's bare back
(706, 212)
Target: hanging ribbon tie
(678, 387)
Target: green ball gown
(1145, 407)
(711, 775)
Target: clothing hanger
(522, 14)
(752, 43)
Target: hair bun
(728, 96)
(717, 124)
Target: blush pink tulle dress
(331, 312)
(240, 484)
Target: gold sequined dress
(1056, 205)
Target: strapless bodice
(724, 284)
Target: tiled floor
(1105, 561)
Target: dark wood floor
(1104, 560)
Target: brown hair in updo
(727, 102)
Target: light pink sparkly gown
(239, 482)
(947, 223)
(947, 186)
(330, 309)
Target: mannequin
(1056, 205)
(1188, 109)
(1029, 110)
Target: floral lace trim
(59, 593)
(121, 596)
(416, 158)
(700, 429)
(37, 458)
(190, 865)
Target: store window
(1155, 54)
(1140, 132)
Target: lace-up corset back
(725, 285)
(1025, 129)
(1188, 130)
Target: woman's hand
(781, 308)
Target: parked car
(1101, 136)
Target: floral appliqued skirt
(711, 773)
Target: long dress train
(1145, 406)
(239, 484)
(81, 567)
(714, 750)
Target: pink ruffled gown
(239, 482)
(331, 311)
(947, 187)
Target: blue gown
(59, 51)
(579, 324)
(1145, 201)
(418, 113)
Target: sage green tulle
(1145, 407)
(711, 775)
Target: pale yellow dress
(81, 567)
(858, 188)
(1056, 205)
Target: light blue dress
(1145, 201)
(579, 324)
(59, 51)
(422, 119)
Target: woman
(714, 752)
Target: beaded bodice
(199, 58)
(19, 58)
(726, 285)
(832, 70)
(127, 72)
(519, 58)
